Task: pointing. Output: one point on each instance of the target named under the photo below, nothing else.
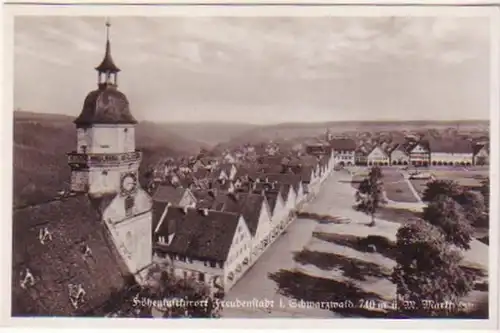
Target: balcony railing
(76, 158)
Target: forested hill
(41, 142)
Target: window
(129, 204)
(185, 274)
(44, 235)
(84, 149)
(28, 280)
(76, 295)
(104, 146)
(125, 130)
(104, 173)
(201, 277)
(213, 264)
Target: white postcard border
(133, 10)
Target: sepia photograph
(252, 166)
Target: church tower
(328, 135)
(105, 159)
(106, 163)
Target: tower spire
(107, 65)
(108, 24)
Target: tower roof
(107, 64)
(105, 105)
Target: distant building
(400, 155)
(420, 153)
(482, 154)
(361, 156)
(343, 151)
(451, 152)
(378, 156)
(317, 149)
(175, 196)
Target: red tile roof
(249, 205)
(73, 224)
(477, 148)
(198, 236)
(169, 193)
(272, 199)
(343, 144)
(285, 178)
(451, 146)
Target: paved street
(257, 285)
(336, 198)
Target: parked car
(421, 175)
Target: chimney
(185, 209)
(204, 211)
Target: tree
(473, 204)
(485, 190)
(438, 187)
(370, 194)
(448, 216)
(428, 271)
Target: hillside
(210, 133)
(41, 142)
(292, 131)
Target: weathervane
(108, 24)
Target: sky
(260, 69)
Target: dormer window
(44, 235)
(27, 279)
(86, 251)
(76, 295)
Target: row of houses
(214, 234)
(419, 152)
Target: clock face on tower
(129, 183)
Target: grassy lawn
(470, 178)
(419, 185)
(356, 180)
(399, 191)
(391, 175)
(395, 186)
(337, 263)
(397, 215)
